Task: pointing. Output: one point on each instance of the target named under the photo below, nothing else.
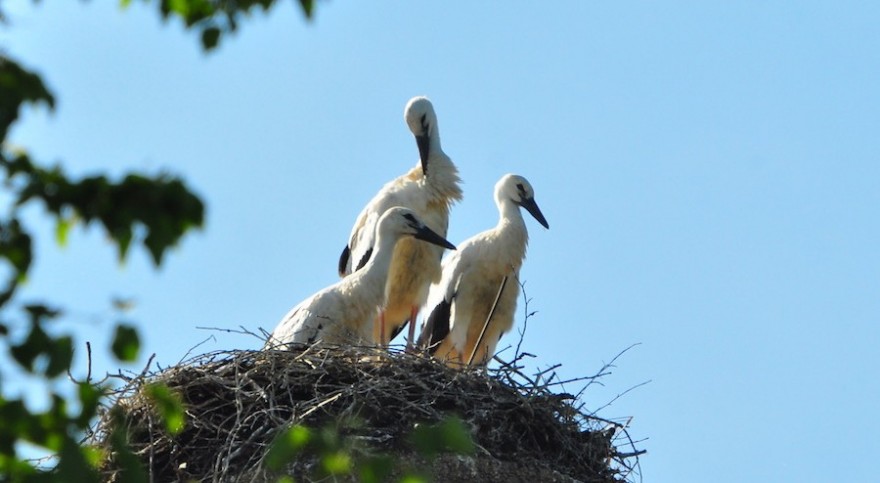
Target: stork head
(397, 222)
(422, 121)
(518, 190)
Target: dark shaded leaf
(210, 38)
(15, 247)
(89, 397)
(60, 356)
(18, 86)
(73, 464)
(451, 435)
(39, 312)
(31, 348)
(307, 6)
(376, 469)
(130, 468)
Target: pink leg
(410, 342)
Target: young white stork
(343, 312)
(429, 189)
(483, 273)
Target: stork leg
(413, 311)
(379, 329)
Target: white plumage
(459, 305)
(343, 313)
(429, 189)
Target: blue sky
(709, 171)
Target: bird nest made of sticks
(237, 402)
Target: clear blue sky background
(710, 172)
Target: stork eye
(410, 218)
(521, 189)
(424, 122)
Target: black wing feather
(343, 260)
(364, 259)
(437, 326)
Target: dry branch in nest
(238, 401)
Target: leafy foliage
(153, 211)
(337, 455)
(216, 18)
(451, 435)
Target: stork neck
(434, 140)
(375, 272)
(510, 215)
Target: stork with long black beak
(474, 303)
(429, 189)
(343, 313)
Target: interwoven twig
(237, 402)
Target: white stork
(343, 313)
(482, 274)
(429, 189)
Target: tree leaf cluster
(154, 211)
(217, 18)
(338, 456)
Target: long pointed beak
(532, 207)
(430, 236)
(424, 144)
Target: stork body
(428, 189)
(342, 314)
(473, 277)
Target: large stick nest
(238, 401)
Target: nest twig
(238, 401)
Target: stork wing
(440, 299)
(360, 246)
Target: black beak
(424, 143)
(530, 205)
(430, 236)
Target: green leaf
(180, 7)
(170, 406)
(286, 446)
(337, 463)
(126, 343)
(62, 229)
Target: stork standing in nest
(342, 314)
(429, 189)
(473, 305)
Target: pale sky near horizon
(709, 171)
